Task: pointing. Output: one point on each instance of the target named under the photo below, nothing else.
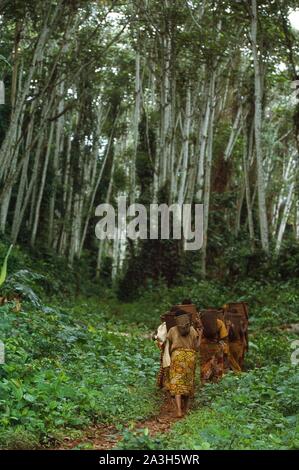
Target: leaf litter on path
(106, 437)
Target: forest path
(106, 437)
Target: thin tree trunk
(258, 126)
(58, 148)
(203, 144)
(208, 168)
(234, 134)
(103, 242)
(186, 137)
(239, 209)
(246, 159)
(135, 128)
(96, 187)
(42, 185)
(284, 218)
(23, 178)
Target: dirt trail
(104, 437)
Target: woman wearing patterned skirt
(212, 347)
(184, 341)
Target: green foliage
(286, 265)
(69, 368)
(50, 276)
(268, 347)
(137, 440)
(3, 272)
(156, 261)
(20, 284)
(258, 410)
(93, 362)
(18, 438)
(271, 303)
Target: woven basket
(190, 310)
(240, 307)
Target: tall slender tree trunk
(186, 137)
(136, 121)
(102, 243)
(42, 186)
(234, 134)
(97, 184)
(285, 215)
(297, 220)
(246, 159)
(258, 131)
(56, 173)
(208, 168)
(204, 131)
(23, 178)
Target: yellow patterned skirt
(182, 372)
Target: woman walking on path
(184, 342)
(212, 347)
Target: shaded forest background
(160, 101)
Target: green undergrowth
(257, 410)
(66, 369)
(72, 361)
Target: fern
(20, 283)
(27, 294)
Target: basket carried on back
(209, 319)
(190, 309)
(237, 326)
(236, 317)
(170, 317)
(218, 312)
(239, 307)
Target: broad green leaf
(4, 60)
(4, 267)
(29, 397)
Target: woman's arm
(197, 339)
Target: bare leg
(187, 404)
(168, 398)
(178, 402)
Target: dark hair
(187, 302)
(179, 312)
